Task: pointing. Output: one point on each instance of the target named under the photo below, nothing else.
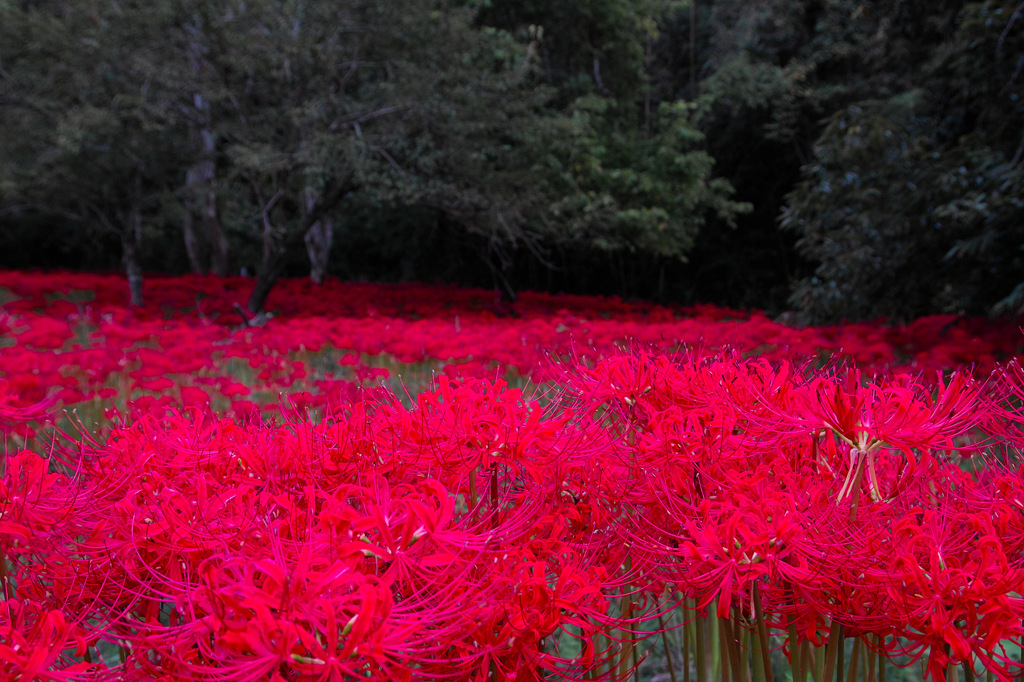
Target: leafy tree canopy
(913, 202)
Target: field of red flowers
(408, 482)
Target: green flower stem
(700, 648)
(668, 650)
(854, 661)
(836, 641)
(762, 639)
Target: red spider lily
(320, 621)
(623, 378)
(545, 598)
(700, 446)
(468, 536)
(33, 641)
(951, 587)
(44, 332)
(414, 325)
(202, 486)
(900, 413)
(15, 411)
(34, 502)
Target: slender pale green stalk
(727, 628)
(686, 649)
(818, 669)
(841, 661)
(869, 668)
(628, 638)
(951, 668)
(757, 667)
(797, 670)
(495, 499)
(472, 489)
(628, 646)
(836, 641)
(881, 660)
(700, 648)
(721, 660)
(762, 638)
(855, 487)
(794, 655)
(805, 661)
(668, 651)
(969, 669)
(854, 660)
(745, 650)
(803, 658)
(598, 670)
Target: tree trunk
(271, 266)
(133, 270)
(201, 192)
(693, 49)
(265, 281)
(277, 241)
(275, 245)
(218, 241)
(318, 242)
(318, 246)
(188, 227)
(201, 198)
(131, 243)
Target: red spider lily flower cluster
(188, 346)
(438, 543)
(16, 413)
(845, 501)
(475, 535)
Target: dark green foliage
(583, 47)
(626, 174)
(913, 203)
(641, 190)
(267, 122)
(649, 148)
(87, 136)
(768, 75)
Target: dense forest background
(836, 158)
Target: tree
(765, 76)
(583, 48)
(200, 190)
(627, 171)
(639, 190)
(85, 135)
(912, 203)
(315, 102)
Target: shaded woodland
(838, 159)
